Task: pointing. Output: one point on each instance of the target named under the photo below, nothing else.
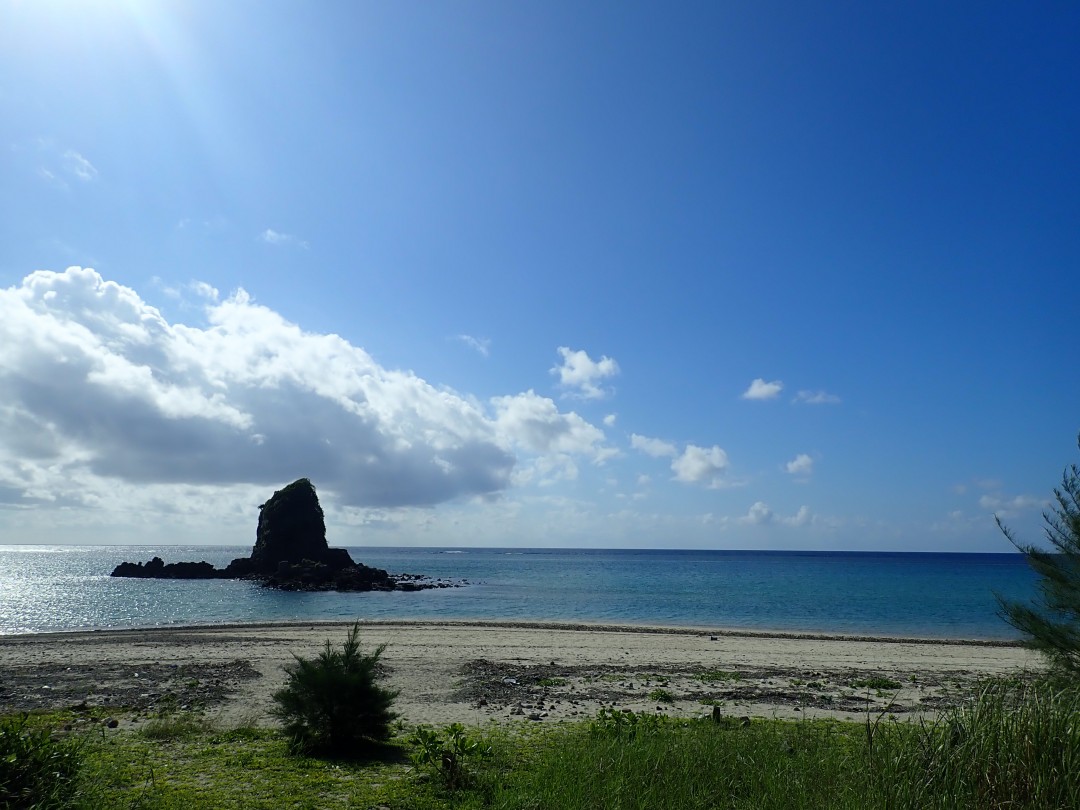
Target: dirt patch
(578, 690)
(142, 687)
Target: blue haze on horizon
(740, 275)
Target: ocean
(55, 588)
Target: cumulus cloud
(609, 420)
(759, 514)
(700, 465)
(582, 374)
(759, 389)
(481, 346)
(816, 398)
(101, 392)
(801, 465)
(800, 518)
(657, 448)
(534, 423)
(272, 237)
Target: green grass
(37, 769)
(688, 765)
(718, 676)
(1014, 745)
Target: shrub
(36, 770)
(1052, 623)
(333, 704)
(661, 696)
(879, 682)
(448, 756)
(610, 722)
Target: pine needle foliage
(1052, 622)
(333, 704)
(36, 769)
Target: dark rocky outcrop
(290, 554)
(157, 568)
(292, 529)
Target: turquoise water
(932, 595)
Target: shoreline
(606, 627)
(506, 672)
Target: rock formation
(290, 554)
(158, 569)
(292, 529)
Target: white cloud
(204, 290)
(760, 514)
(51, 178)
(102, 393)
(816, 398)
(480, 345)
(272, 237)
(657, 448)
(534, 423)
(210, 225)
(1006, 506)
(579, 371)
(801, 465)
(800, 518)
(759, 389)
(609, 420)
(79, 166)
(700, 465)
(57, 164)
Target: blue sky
(720, 275)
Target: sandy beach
(477, 673)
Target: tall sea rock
(292, 529)
(290, 554)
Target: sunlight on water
(950, 595)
